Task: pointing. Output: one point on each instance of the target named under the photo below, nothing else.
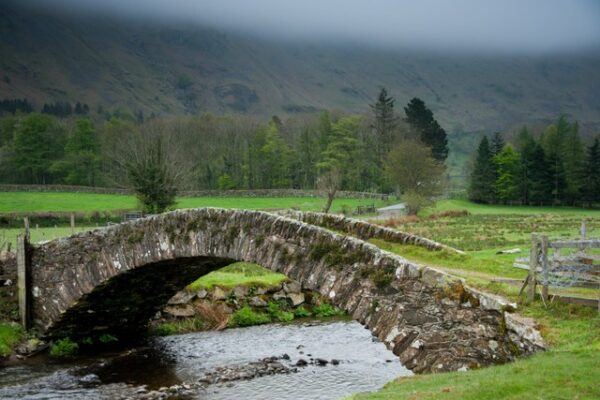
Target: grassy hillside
(170, 70)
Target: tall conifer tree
(431, 133)
(590, 176)
(481, 188)
(384, 122)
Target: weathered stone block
(296, 298)
(292, 287)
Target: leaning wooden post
(23, 275)
(544, 260)
(26, 226)
(533, 265)
(72, 224)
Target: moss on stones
(135, 237)
(231, 234)
(259, 240)
(196, 225)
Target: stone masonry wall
(115, 279)
(365, 230)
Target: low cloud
(521, 26)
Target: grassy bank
(242, 313)
(10, 335)
(570, 369)
(24, 202)
(240, 273)
(552, 375)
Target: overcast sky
(522, 26)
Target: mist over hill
(174, 68)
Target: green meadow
(30, 202)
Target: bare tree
(330, 182)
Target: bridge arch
(114, 280)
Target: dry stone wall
(365, 230)
(114, 280)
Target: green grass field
(24, 202)
(473, 208)
(39, 234)
(35, 202)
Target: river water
(364, 365)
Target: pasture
(35, 202)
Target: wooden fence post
(72, 224)
(23, 279)
(26, 225)
(533, 264)
(545, 267)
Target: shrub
(346, 209)
(231, 299)
(276, 313)
(64, 348)
(450, 214)
(245, 316)
(382, 278)
(326, 310)
(106, 338)
(181, 326)
(10, 334)
(390, 222)
(284, 316)
(273, 308)
(88, 341)
(189, 325)
(165, 329)
(301, 312)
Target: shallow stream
(364, 365)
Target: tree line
(555, 169)
(14, 106)
(62, 109)
(329, 150)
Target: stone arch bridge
(114, 280)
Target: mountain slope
(154, 67)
